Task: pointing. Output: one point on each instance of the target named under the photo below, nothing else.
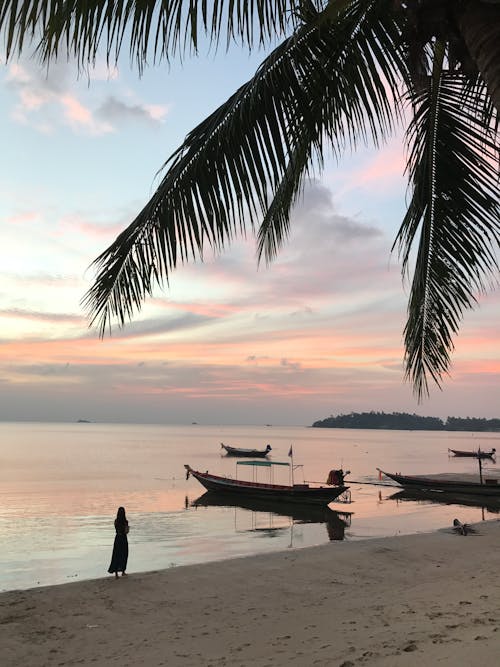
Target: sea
(61, 484)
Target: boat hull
(246, 453)
(298, 493)
(473, 455)
(445, 486)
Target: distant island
(402, 421)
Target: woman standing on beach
(120, 546)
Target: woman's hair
(120, 515)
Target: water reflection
(336, 522)
(491, 505)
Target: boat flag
(290, 453)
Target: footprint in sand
(409, 648)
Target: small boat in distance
(478, 454)
(448, 484)
(251, 453)
(296, 493)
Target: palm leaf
(352, 105)
(453, 167)
(255, 147)
(158, 27)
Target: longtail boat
(490, 487)
(296, 493)
(478, 454)
(250, 453)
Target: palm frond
(356, 101)
(453, 166)
(478, 23)
(257, 145)
(155, 29)
(475, 93)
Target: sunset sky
(318, 332)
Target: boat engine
(336, 477)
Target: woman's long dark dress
(120, 549)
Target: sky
(318, 332)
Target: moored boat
(296, 493)
(478, 454)
(489, 487)
(241, 451)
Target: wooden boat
(296, 493)
(489, 488)
(478, 454)
(251, 453)
(336, 522)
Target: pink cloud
(18, 313)
(17, 73)
(213, 310)
(77, 222)
(75, 111)
(377, 171)
(79, 115)
(22, 218)
(387, 165)
(355, 366)
(40, 97)
(157, 111)
(32, 100)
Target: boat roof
(266, 464)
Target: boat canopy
(266, 464)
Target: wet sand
(431, 599)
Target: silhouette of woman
(120, 547)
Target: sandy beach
(431, 599)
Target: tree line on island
(402, 421)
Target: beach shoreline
(431, 599)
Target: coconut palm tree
(344, 72)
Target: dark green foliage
(402, 421)
(472, 424)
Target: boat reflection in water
(336, 522)
(489, 504)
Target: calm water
(60, 485)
